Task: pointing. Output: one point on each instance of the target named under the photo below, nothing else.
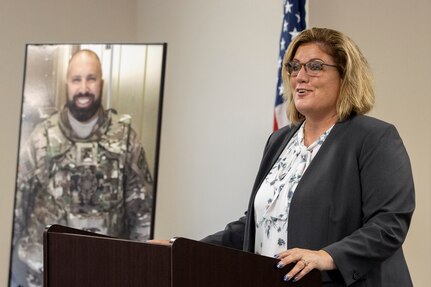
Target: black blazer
(355, 201)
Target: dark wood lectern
(78, 258)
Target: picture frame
(119, 157)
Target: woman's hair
(356, 91)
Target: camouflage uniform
(101, 184)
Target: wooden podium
(78, 258)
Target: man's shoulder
(118, 131)
(44, 125)
(119, 118)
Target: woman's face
(315, 96)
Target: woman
(334, 190)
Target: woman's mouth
(301, 92)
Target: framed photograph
(88, 147)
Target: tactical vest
(86, 178)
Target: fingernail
(294, 279)
(280, 264)
(286, 277)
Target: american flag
(294, 21)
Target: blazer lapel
(324, 155)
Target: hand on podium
(305, 260)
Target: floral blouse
(273, 198)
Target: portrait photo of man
(88, 146)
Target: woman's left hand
(305, 260)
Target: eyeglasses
(312, 68)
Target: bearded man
(82, 167)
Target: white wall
(219, 94)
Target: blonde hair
(356, 91)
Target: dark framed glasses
(312, 68)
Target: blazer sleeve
(388, 202)
(232, 236)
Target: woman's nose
(302, 75)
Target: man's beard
(84, 114)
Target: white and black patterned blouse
(273, 198)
